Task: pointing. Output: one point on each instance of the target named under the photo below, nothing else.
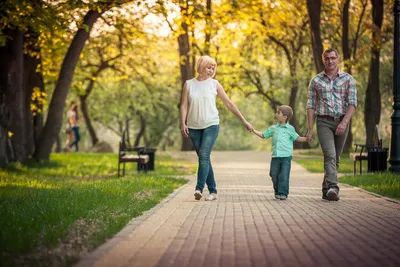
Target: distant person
(283, 135)
(75, 129)
(199, 120)
(68, 129)
(332, 100)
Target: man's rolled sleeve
(311, 98)
(352, 92)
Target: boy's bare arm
(302, 139)
(259, 134)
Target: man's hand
(310, 136)
(341, 128)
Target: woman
(75, 128)
(70, 124)
(199, 120)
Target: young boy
(283, 134)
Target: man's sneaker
(197, 195)
(324, 196)
(332, 194)
(211, 197)
(282, 197)
(277, 197)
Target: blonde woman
(69, 126)
(199, 120)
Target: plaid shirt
(332, 97)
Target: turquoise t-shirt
(283, 137)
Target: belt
(330, 118)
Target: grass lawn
(53, 211)
(383, 183)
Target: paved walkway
(248, 227)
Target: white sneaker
(332, 194)
(197, 195)
(211, 197)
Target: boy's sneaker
(197, 195)
(282, 197)
(211, 197)
(332, 194)
(277, 196)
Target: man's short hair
(330, 50)
(286, 111)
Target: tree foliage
(126, 62)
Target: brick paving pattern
(247, 226)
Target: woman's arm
(232, 107)
(183, 111)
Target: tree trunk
(373, 96)
(18, 97)
(88, 122)
(208, 28)
(56, 108)
(314, 12)
(32, 79)
(184, 53)
(347, 64)
(58, 145)
(141, 132)
(5, 91)
(4, 122)
(292, 103)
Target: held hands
(184, 130)
(310, 136)
(248, 126)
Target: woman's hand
(184, 130)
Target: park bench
(374, 154)
(359, 155)
(127, 154)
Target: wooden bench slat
(135, 158)
(357, 156)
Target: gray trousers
(332, 146)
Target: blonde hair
(286, 111)
(204, 62)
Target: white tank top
(202, 106)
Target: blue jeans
(77, 138)
(280, 173)
(203, 141)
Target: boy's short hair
(205, 61)
(286, 111)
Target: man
(332, 100)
